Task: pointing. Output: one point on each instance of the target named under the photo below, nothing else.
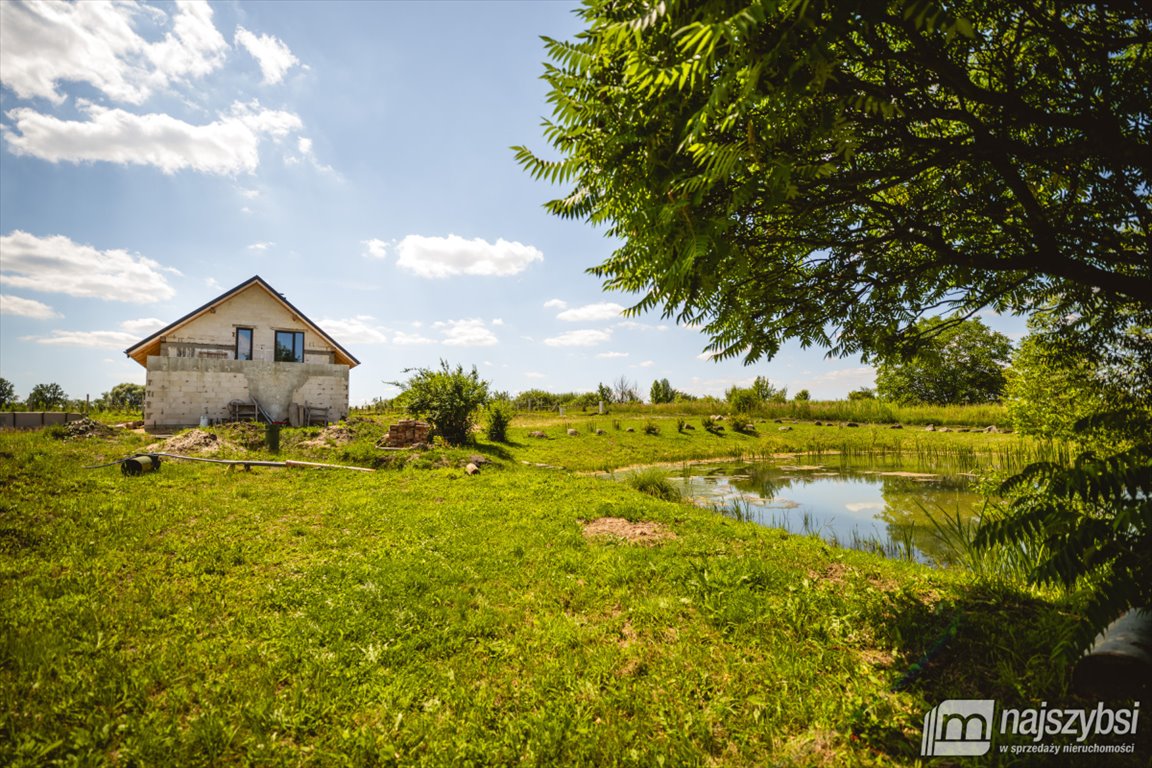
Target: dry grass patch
(645, 533)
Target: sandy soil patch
(646, 533)
(332, 435)
(192, 441)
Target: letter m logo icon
(958, 727)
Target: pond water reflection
(879, 505)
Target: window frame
(296, 348)
(242, 331)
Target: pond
(885, 505)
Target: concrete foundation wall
(35, 419)
(180, 390)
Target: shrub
(654, 483)
(651, 428)
(447, 398)
(500, 415)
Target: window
(243, 343)
(289, 346)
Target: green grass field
(202, 615)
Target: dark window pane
(243, 343)
(289, 347)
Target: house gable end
(211, 330)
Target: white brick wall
(179, 391)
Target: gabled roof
(151, 345)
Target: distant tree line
(52, 397)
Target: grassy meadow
(418, 615)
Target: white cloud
(304, 147)
(273, 56)
(404, 339)
(555, 304)
(534, 375)
(14, 305)
(101, 339)
(605, 310)
(55, 264)
(355, 330)
(632, 325)
(44, 44)
(585, 338)
(144, 326)
(377, 249)
(497, 321)
(864, 375)
(262, 246)
(611, 355)
(229, 145)
(646, 364)
(466, 333)
(131, 331)
(451, 256)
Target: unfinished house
(247, 354)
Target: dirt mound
(192, 441)
(86, 427)
(334, 434)
(633, 533)
(247, 434)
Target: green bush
(447, 398)
(500, 415)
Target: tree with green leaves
(125, 397)
(448, 398)
(46, 397)
(835, 171)
(661, 392)
(963, 364)
(7, 393)
(767, 392)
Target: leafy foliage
(447, 398)
(767, 392)
(7, 393)
(1061, 375)
(833, 171)
(742, 400)
(46, 397)
(960, 363)
(500, 415)
(1094, 522)
(661, 392)
(124, 396)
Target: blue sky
(354, 155)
